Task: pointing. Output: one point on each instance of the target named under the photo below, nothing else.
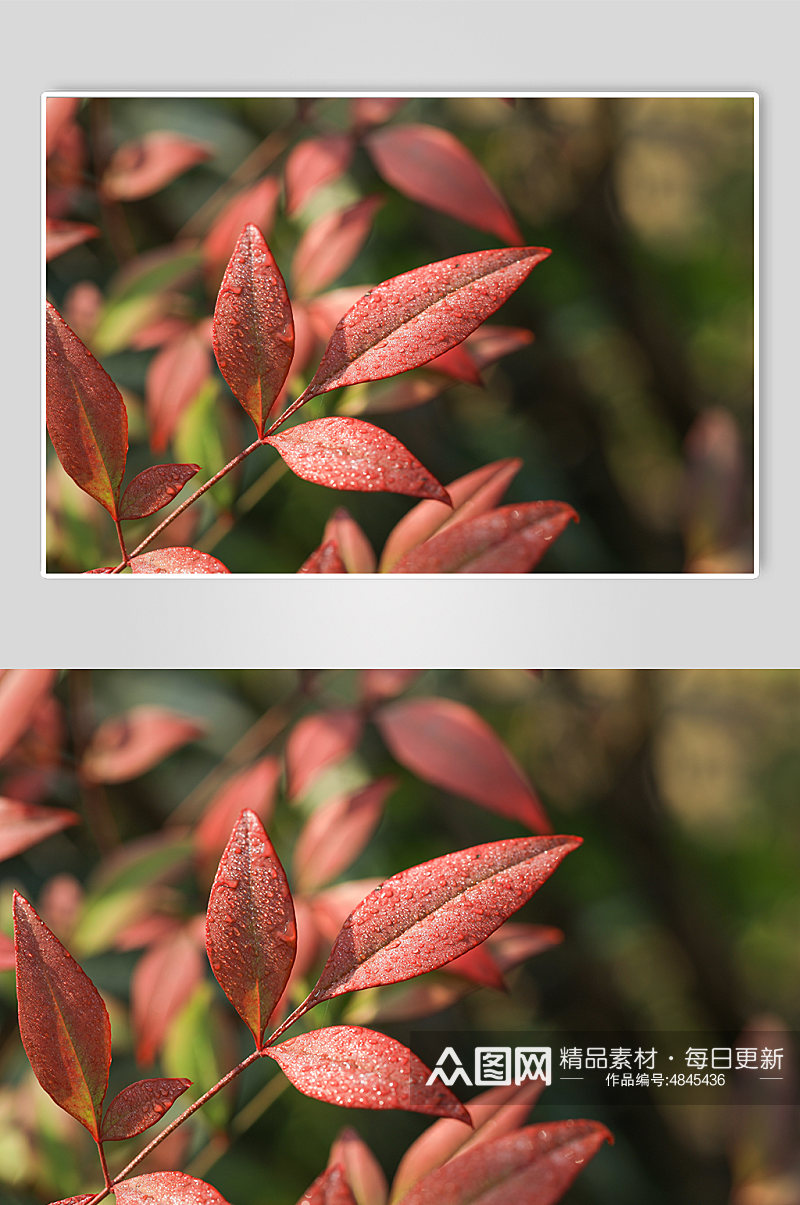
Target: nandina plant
(433, 316)
(416, 921)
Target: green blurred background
(636, 402)
(681, 911)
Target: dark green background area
(680, 912)
(643, 319)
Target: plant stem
(173, 1125)
(121, 538)
(103, 1164)
(246, 1117)
(253, 494)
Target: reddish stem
(103, 1164)
(121, 538)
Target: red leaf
(175, 377)
(61, 236)
(430, 165)
(533, 1166)
(63, 1021)
(380, 684)
(59, 113)
(147, 164)
(348, 454)
(374, 110)
(448, 744)
(131, 744)
(491, 343)
(457, 364)
(177, 560)
(361, 1069)
(317, 742)
(408, 320)
(494, 1114)
(324, 559)
(86, 415)
(471, 495)
(353, 545)
(404, 394)
(25, 824)
(82, 1200)
(166, 1188)
(361, 1169)
(253, 329)
(252, 789)
(337, 832)
(163, 981)
(426, 916)
(22, 692)
(331, 1188)
(139, 1106)
(256, 204)
(6, 953)
(331, 243)
(477, 966)
(153, 488)
(313, 163)
(512, 539)
(251, 935)
(513, 944)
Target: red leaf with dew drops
(426, 916)
(153, 488)
(361, 1169)
(317, 742)
(533, 1166)
(349, 454)
(146, 165)
(494, 1113)
(86, 415)
(256, 204)
(450, 745)
(251, 789)
(325, 559)
(330, 245)
(177, 560)
(253, 329)
(361, 1069)
(410, 319)
(374, 110)
(175, 377)
(25, 824)
(139, 1106)
(163, 980)
(430, 165)
(512, 539)
(129, 745)
(354, 547)
(314, 163)
(63, 1021)
(166, 1188)
(474, 494)
(251, 935)
(325, 311)
(336, 833)
(82, 1200)
(61, 236)
(331, 1188)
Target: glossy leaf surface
(25, 824)
(430, 165)
(349, 454)
(408, 320)
(145, 165)
(325, 559)
(471, 495)
(313, 163)
(450, 745)
(512, 539)
(166, 1188)
(86, 415)
(317, 742)
(361, 1069)
(337, 832)
(426, 916)
(177, 560)
(331, 1188)
(129, 745)
(330, 245)
(253, 328)
(153, 488)
(533, 1166)
(251, 935)
(63, 1021)
(139, 1106)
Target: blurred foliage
(680, 911)
(636, 402)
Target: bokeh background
(634, 404)
(680, 911)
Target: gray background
(362, 46)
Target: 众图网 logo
(493, 1066)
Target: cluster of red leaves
(422, 317)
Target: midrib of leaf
(72, 1046)
(255, 329)
(89, 424)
